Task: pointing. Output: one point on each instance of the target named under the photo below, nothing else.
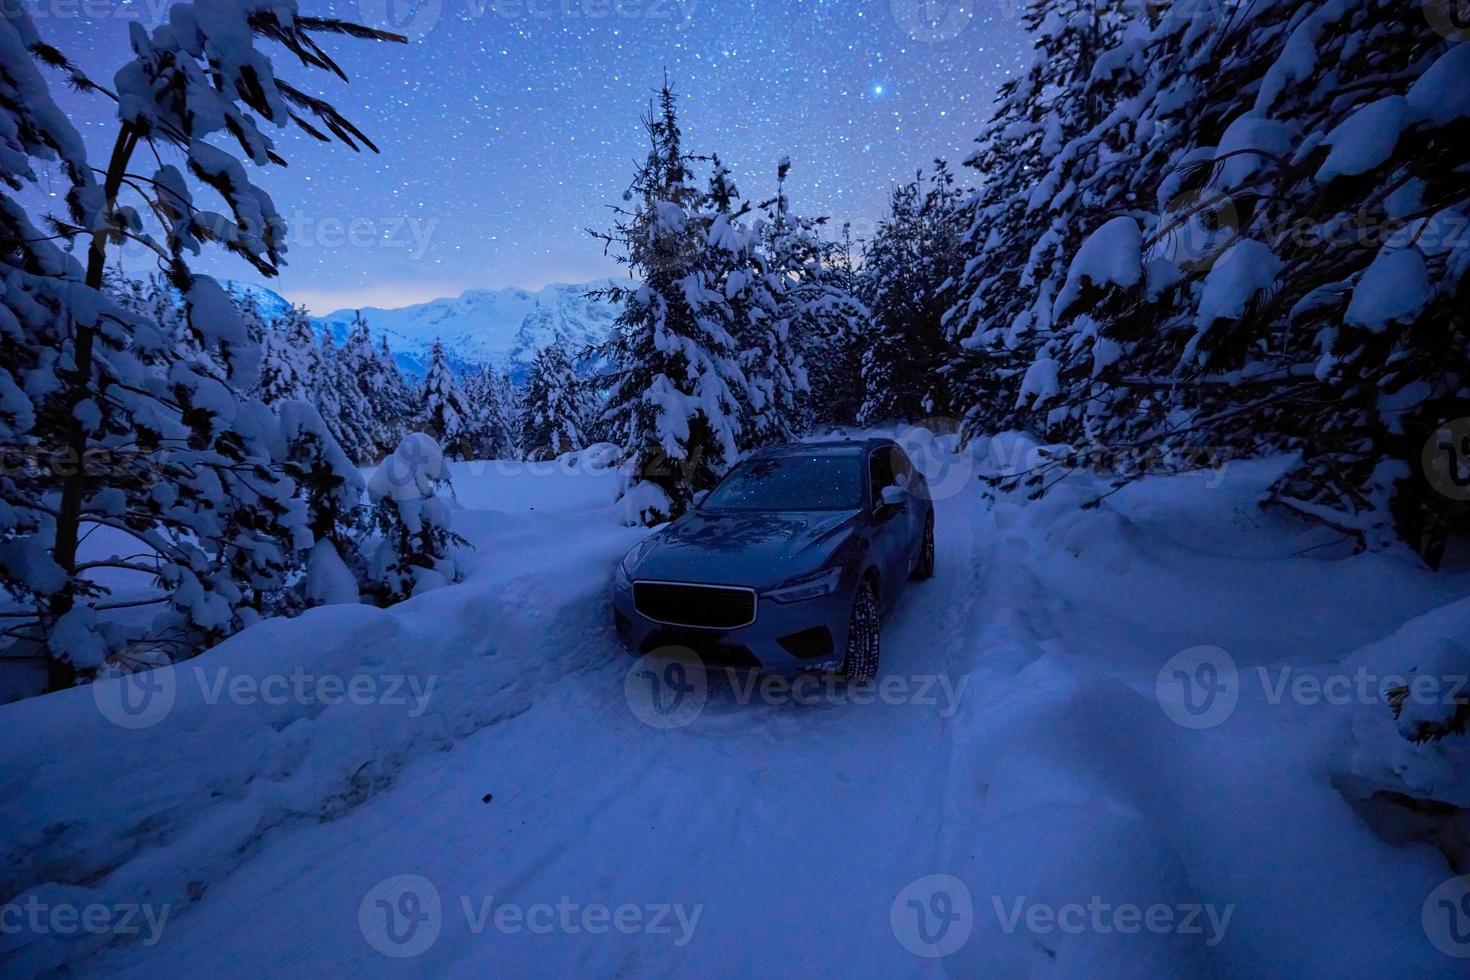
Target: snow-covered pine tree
(416, 550)
(332, 488)
(366, 402)
(443, 409)
(672, 402)
(1058, 151)
(397, 398)
(736, 267)
(906, 284)
(509, 407)
(821, 317)
(211, 514)
(1297, 288)
(348, 412)
(486, 438)
(291, 362)
(551, 419)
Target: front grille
(705, 606)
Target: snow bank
(152, 787)
(1428, 659)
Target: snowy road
(1022, 754)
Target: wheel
(924, 567)
(861, 661)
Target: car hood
(758, 549)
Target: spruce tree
(672, 404)
(291, 364)
(818, 315)
(551, 420)
(906, 284)
(444, 411)
(208, 505)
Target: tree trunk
(74, 486)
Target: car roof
(823, 447)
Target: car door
(890, 523)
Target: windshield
(816, 482)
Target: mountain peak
(499, 328)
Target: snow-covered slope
(500, 327)
(1027, 777)
(270, 304)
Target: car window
(821, 481)
(880, 470)
(903, 470)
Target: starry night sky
(507, 126)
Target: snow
(1393, 289)
(1040, 384)
(1245, 148)
(490, 751)
(500, 327)
(1111, 255)
(410, 472)
(1241, 273)
(1441, 95)
(328, 579)
(1365, 139)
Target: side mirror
(894, 496)
(699, 497)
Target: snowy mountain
(500, 327)
(270, 304)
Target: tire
(861, 661)
(924, 567)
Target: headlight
(807, 586)
(630, 561)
